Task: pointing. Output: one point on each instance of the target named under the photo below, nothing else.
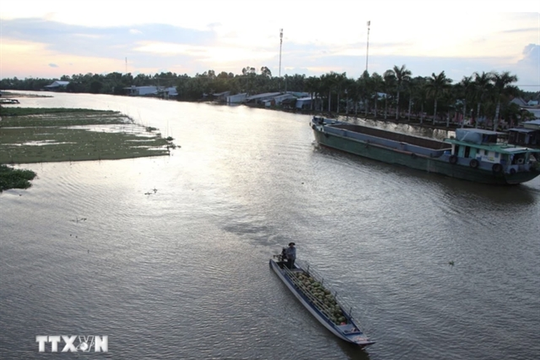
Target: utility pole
(367, 49)
(280, 47)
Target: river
(168, 256)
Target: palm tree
(450, 101)
(421, 92)
(437, 84)
(248, 74)
(466, 87)
(340, 85)
(402, 75)
(389, 80)
(313, 85)
(501, 87)
(332, 82)
(327, 84)
(265, 72)
(417, 96)
(363, 84)
(376, 85)
(409, 88)
(351, 92)
(482, 84)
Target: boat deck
(393, 136)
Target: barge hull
(411, 159)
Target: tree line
(394, 94)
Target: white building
(151, 91)
(56, 85)
(141, 90)
(236, 99)
(304, 103)
(169, 92)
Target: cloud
(531, 55)
(108, 41)
(528, 68)
(219, 37)
(53, 65)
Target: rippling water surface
(168, 256)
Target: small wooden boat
(324, 305)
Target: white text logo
(72, 343)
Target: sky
(48, 39)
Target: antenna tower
(280, 47)
(367, 49)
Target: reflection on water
(169, 256)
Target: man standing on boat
(290, 254)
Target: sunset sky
(54, 38)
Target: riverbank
(12, 95)
(36, 135)
(413, 120)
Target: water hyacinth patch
(46, 135)
(11, 178)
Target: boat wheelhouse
(481, 147)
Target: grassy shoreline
(36, 135)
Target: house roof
(521, 130)
(224, 93)
(262, 96)
(57, 83)
(519, 101)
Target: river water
(168, 256)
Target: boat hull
(357, 338)
(439, 165)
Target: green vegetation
(11, 178)
(47, 135)
(44, 135)
(319, 296)
(21, 111)
(482, 96)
